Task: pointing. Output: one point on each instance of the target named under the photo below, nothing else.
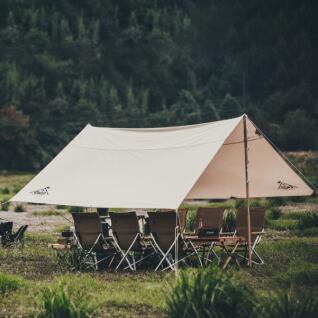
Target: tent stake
(249, 236)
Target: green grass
(10, 183)
(10, 283)
(290, 256)
(282, 224)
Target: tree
(230, 107)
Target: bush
(308, 220)
(276, 201)
(10, 283)
(5, 206)
(5, 190)
(61, 207)
(239, 203)
(74, 209)
(16, 188)
(19, 208)
(209, 293)
(285, 305)
(59, 301)
(229, 221)
(191, 217)
(274, 213)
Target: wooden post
(247, 187)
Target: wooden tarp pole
(247, 187)
(176, 256)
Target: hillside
(153, 63)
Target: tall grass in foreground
(213, 293)
(58, 301)
(209, 293)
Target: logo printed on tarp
(43, 191)
(285, 186)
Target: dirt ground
(37, 222)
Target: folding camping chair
(257, 231)
(90, 240)
(128, 239)
(182, 216)
(5, 231)
(208, 228)
(165, 236)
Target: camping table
(206, 243)
(229, 244)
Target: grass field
(289, 248)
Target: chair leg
(125, 255)
(166, 254)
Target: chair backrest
(182, 216)
(257, 221)
(6, 228)
(162, 226)
(20, 233)
(209, 221)
(87, 228)
(125, 227)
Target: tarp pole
(247, 187)
(176, 256)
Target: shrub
(5, 206)
(239, 203)
(229, 221)
(209, 293)
(307, 220)
(19, 208)
(10, 283)
(16, 188)
(274, 213)
(59, 301)
(74, 209)
(285, 305)
(276, 201)
(191, 216)
(61, 207)
(5, 190)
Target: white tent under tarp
(161, 167)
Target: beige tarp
(160, 167)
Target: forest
(141, 63)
